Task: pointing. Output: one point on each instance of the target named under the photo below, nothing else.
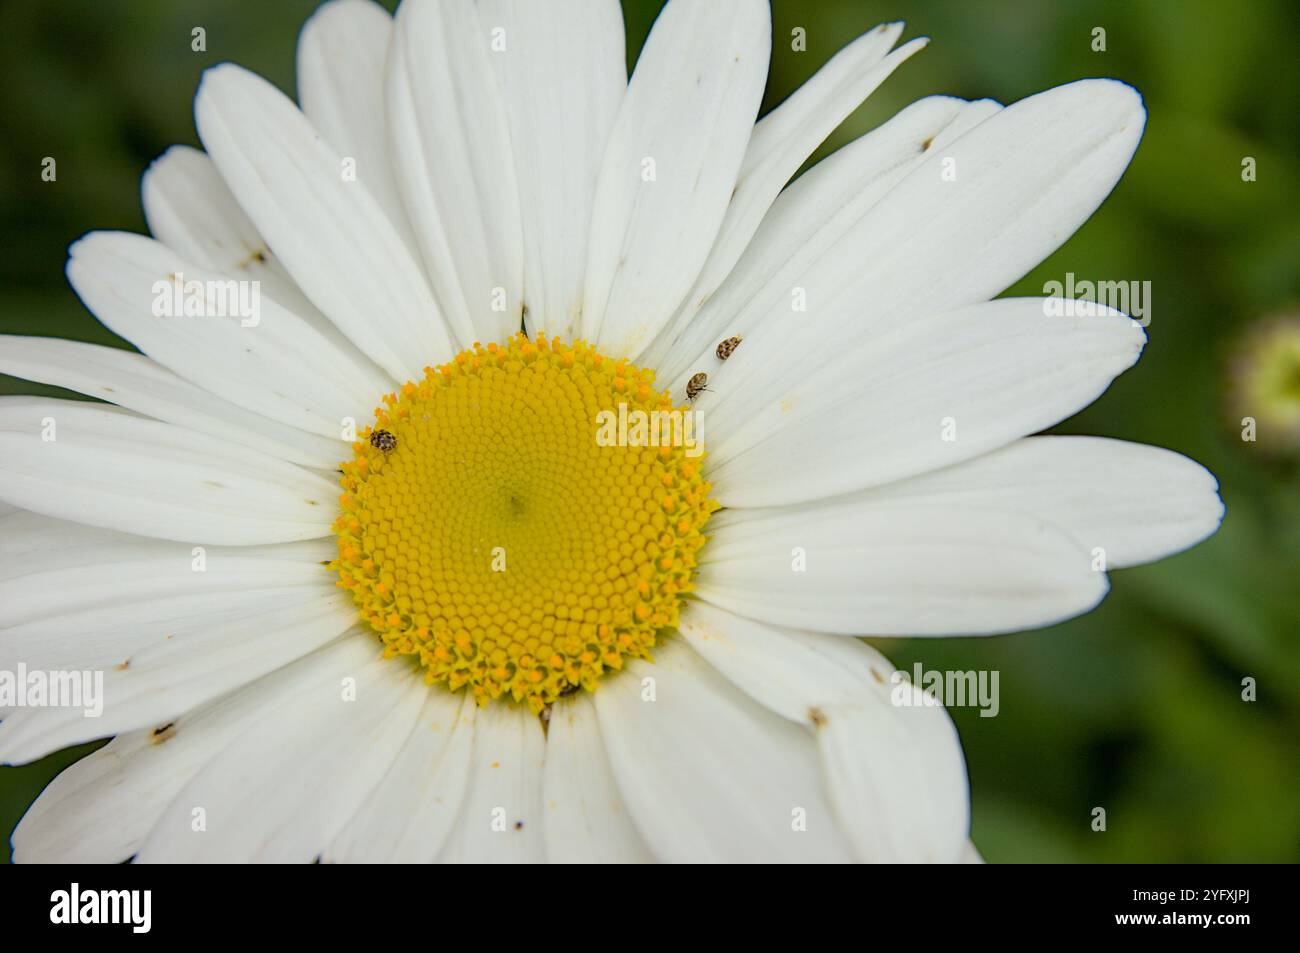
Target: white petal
(806, 222)
(791, 673)
(282, 790)
(586, 819)
(334, 239)
(107, 467)
(501, 816)
(105, 636)
(113, 574)
(455, 165)
(889, 569)
(786, 137)
(272, 363)
(563, 74)
(897, 775)
(408, 817)
(1136, 503)
(101, 809)
(190, 210)
(342, 52)
(923, 394)
(102, 639)
(966, 222)
(30, 542)
(121, 594)
(707, 773)
(793, 130)
(97, 810)
(689, 110)
(138, 383)
(173, 674)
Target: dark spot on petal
(257, 255)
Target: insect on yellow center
(488, 532)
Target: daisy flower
(364, 583)
(1262, 389)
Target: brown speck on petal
(817, 717)
(259, 255)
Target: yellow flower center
(501, 526)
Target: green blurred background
(1136, 707)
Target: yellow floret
(499, 542)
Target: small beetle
(383, 440)
(726, 348)
(697, 385)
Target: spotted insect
(383, 440)
(697, 385)
(727, 347)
